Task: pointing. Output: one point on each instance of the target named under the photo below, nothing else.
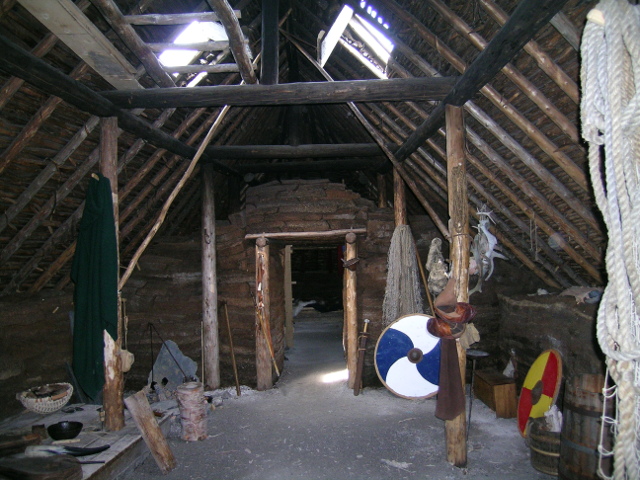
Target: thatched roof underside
(525, 157)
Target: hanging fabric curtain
(95, 275)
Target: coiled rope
(610, 115)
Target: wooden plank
(298, 235)
(175, 18)
(528, 17)
(455, 430)
(567, 29)
(351, 308)
(70, 25)
(304, 93)
(140, 410)
(237, 43)
(211, 353)
(330, 40)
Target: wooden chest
(497, 391)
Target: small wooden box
(497, 391)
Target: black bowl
(64, 430)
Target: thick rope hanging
(610, 76)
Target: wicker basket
(48, 404)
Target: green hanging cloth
(95, 275)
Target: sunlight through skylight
(196, 32)
(374, 38)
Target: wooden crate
(497, 391)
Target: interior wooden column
(113, 390)
(399, 199)
(211, 346)
(455, 429)
(350, 308)
(264, 373)
(288, 298)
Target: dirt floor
(311, 426)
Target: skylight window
(196, 32)
(364, 37)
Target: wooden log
(399, 200)
(351, 307)
(338, 165)
(303, 93)
(526, 20)
(264, 347)
(211, 353)
(140, 410)
(455, 430)
(309, 235)
(126, 32)
(113, 390)
(316, 150)
(174, 18)
(239, 48)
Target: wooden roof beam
(298, 151)
(40, 74)
(303, 93)
(237, 43)
(528, 17)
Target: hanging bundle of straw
(402, 295)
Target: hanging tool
(233, 354)
(362, 348)
(267, 332)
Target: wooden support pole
(351, 308)
(264, 348)
(399, 200)
(211, 351)
(288, 298)
(456, 438)
(269, 63)
(113, 390)
(140, 410)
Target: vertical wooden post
(460, 241)
(264, 373)
(211, 347)
(382, 191)
(113, 390)
(288, 298)
(112, 398)
(399, 199)
(350, 309)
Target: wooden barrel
(581, 420)
(544, 446)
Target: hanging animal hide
(437, 267)
(484, 249)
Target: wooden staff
(362, 348)
(233, 353)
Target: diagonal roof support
(527, 19)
